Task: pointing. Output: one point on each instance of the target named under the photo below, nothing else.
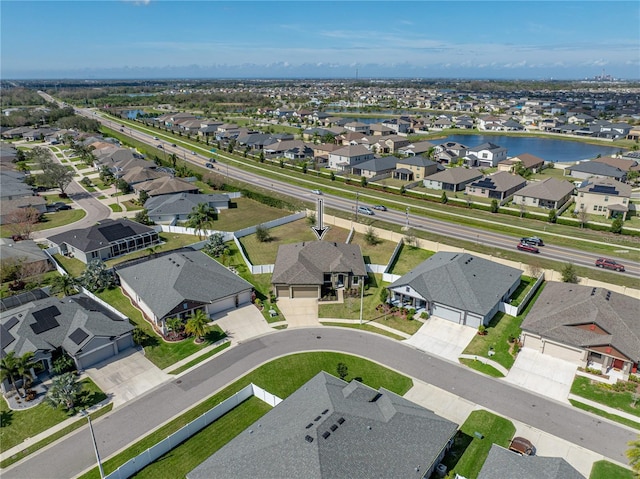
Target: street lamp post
(95, 445)
(356, 206)
(361, 297)
(407, 225)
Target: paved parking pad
(243, 323)
(299, 312)
(543, 374)
(442, 338)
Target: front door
(340, 280)
(618, 364)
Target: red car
(528, 248)
(609, 264)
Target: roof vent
(376, 397)
(608, 295)
(309, 425)
(593, 291)
(333, 427)
(325, 411)
(341, 420)
(317, 418)
(326, 434)
(308, 438)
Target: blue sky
(319, 39)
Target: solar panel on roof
(11, 323)
(116, 232)
(45, 319)
(607, 190)
(78, 336)
(5, 337)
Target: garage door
(446, 313)
(124, 342)
(222, 305)
(532, 342)
(93, 357)
(282, 291)
(562, 352)
(304, 292)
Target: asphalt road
(126, 424)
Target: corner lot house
(452, 179)
(604, 197)
(104, 240)
(332, 429)
(504, 464)
(178, 284)
(76, 325)
(588, 326)
(458, 287)
(548, 193)
(171, 208)
(497, 186)
(310, 269)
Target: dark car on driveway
(528, 248)
(609, 264)
(60, 206)
(533, 240)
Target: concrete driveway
(442, 338)
(128, 375)
(242, 323)
(300, 312)
(542, 374)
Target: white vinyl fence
(145, 458)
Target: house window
(327, 277)
(606, 198)
(407, 289)
(184, 306)
(482, 191)
(355, 280)
(595, 207)
(596, 355)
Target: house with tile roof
(550, 193)
(504, 464)
(499, 185)
(417, 148)
(178, 284)
(452, 179)
(458, 287)
(329, 428)
(604, 197)
(591, 327)
(104, 240)
(77, 325)
(312, 269)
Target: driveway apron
(442, 338)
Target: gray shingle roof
(504, 464)
(606, 187)
(563, 306)
(455, 175)
(379, 164)
(180, 203)
(305, 263)
(417, 161)
(549, 189)
(460, 280)
(499, 181)
(166, 282)
(370, 434)
(598, 169)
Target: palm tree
(24, 365)
(9, 368)
(197, 325)
(65, 284)
(63, 391)
(200, 217)
(633, 453)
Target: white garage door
(532, 342)
(304, 292)
(446, 313)
(282, 291)
(562, 352)
(92, 357)
(222, 305)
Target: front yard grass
(281, 377)
(158, 351)
(609, 470)
(501, 328)
(481, 367)
(59, 218)
(600, 412)
(245, 212)
(20, 425)
(468, 454)
(603, 394)
(115, 207)
(408, 258)
(294, 232)
(365, 327)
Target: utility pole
(407, 225)
(357, 206)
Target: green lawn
(158, 351)
(20, 425)
(469, 452)
(600, 393)
(366, 327)
(608, 470)
(379, 253)
(170, 241)
(245, 212)
(481, 367)
(115, 207)
(53, 220)
(294, 232)
(408, 258)
(600, 412)
(131, 206)
(73, 266)
(281, 377)
(500, 329)
(56, 199)
(201, 358)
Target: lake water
(133, 114)
(557, 151)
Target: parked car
(364, 210)
(59, 206)
(209, 165)
(522, 446)
(380, 208)
(534, 240)
(609, 264)
(159, 146)
(527, 247)
(316, 192)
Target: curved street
(125, 425)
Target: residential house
(450, 152)
(139, 174)
(299, 153)
(321, 151)
(525, 160)
(414, 168)
(9, 207)
(376, 167)
(165, 185)
(486, 155)
(344, 159)
(278, 148)
(604, 197)
(458, 287)
(26, 253)
(12, 185)
(452, 179)
(594, 169)
(358, 127)
(168, 209)
(625, 164)
(549, 193)
(390, 144)
(497, 186)
(77, 325)
(417, 148)
(398, 125)
(591, 327)
(351, 138)
(178, 284)
(379, 129)
(104, 240)
(333, 429)
(312, 269)
(502, 463)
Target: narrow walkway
(487, 361)
(188, 359)
(604, 408)
(369, 323)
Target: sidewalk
(487, 361)
(369, 323)
(604, 408)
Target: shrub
(424, 315)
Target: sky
(141, 39)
